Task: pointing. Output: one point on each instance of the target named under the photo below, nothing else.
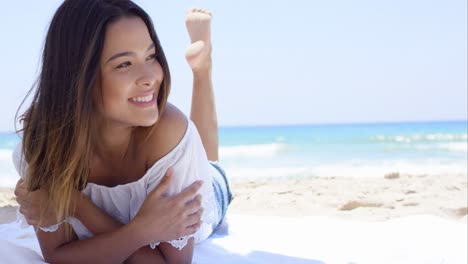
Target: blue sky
(289, 62)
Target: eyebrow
(127, 53)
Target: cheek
(159, 76)
(114, 91)
(159, 73)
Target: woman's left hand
(31, 203)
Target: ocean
(338, 150)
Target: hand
(31, 204)
(162, 218)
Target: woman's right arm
(159, 217)
(111, 247)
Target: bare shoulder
(167, 134)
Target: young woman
(109, 167)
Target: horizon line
(347, 123)
(329, 123)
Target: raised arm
(198, 55)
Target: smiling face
(130, 76)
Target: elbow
(177, 260)
(48, 256)
(52, 259)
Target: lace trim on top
(24, 224)
(206, 228)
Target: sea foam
(255, 150)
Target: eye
(152, 57)
(124, 65)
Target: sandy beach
(374, 199)
(378, 199)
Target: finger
(20, 189)
(25, 205)
(23, 211)
(22, 202)
(29, 212)
(17, 186)
(19, 201)
(19, 182)
(164, 184)
(194, 205)
(189, 193)
(22, 185)
(192, 229)
(194, 218)
(27, 200)
(32, 221)
(22, 193)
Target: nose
(148, 77)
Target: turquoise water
(342, 150)
(368, 150)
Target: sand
(374, 199)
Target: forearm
(111, 247)
(146, 255)
(99, 222)
(94, 218)
(203, 112)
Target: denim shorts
(222, 192)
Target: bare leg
(198, 55)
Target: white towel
(268, 239)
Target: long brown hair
(57, 125)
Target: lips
(146, 99)
(143, 99)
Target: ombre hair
(57, 128)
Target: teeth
(143, 99)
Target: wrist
(138, 233)
(202, 72)
(202, 77)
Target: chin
(149, 122)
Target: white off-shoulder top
(189, 162)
